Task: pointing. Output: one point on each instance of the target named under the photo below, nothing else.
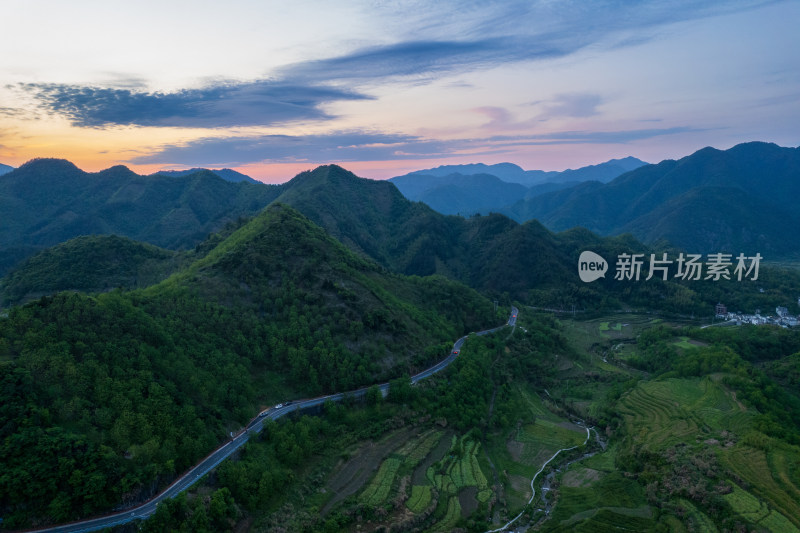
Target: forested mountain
(48, 201)
(106, 398)
(741, 199)
(5, 169)
(490, 253)
(93, 263)
(374, 218)
(225, 173)
(371, 217)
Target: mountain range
(4, 169)
(48, 201)
(739, 200)
(493, 254)
(512, 173)
(480, 188)
(710, 201)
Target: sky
(384, 87)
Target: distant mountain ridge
(711, 201)
(5, 169)
(460, 194)
(48, 201)
(480, 188)
(512, 173)
(225, 173)
(741, 199)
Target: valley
(134, 378)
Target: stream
(548, 480)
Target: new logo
(591, 266)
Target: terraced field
(766, 473)
(697, 519)
(420, 498)
(378, 489)
(758, 512)
(660, 414)
(542, 438)
(443, 483)
(459, 469)
(612, 503)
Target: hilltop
(48, 201)
(225, 173)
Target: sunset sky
(272, 88)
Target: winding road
(237, 441)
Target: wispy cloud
(572, 105)
(215, 106)
(339, 146)
(366, 146)
(590, 137)
(489, 34)
(423, 59)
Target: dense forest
(105, 398)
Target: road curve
(253, 427)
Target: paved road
(255, 426)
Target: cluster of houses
(781, 317)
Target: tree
(400, 390)
(374, 396)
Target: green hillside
(106, 398)
(89, 264)
(48, 201)
(490, 253)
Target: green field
(683, 342)
(543, 438)
(420, 498)
(603, 506)
(378, 490)
(659, 414)
(769, 477)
